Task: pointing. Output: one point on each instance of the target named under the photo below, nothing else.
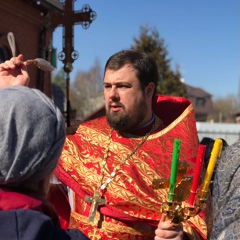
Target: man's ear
(149, 90)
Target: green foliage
(172, 86)
(169, 81)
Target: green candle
(174, 169)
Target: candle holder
(176, 211)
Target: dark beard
(123, 121)
(118, 124)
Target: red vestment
(133, 208)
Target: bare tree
(86, 91)
(225, 109)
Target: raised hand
(14, 72)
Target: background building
(25, 28)
(201, 101)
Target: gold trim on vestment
(172, 124)
(92, 140)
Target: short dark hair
(145, 66)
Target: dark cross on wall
(67, 19)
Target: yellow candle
(216, 151)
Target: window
(200, 102)
(4, 54)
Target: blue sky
(202, 37)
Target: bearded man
(110, 162)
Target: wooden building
(25, 28)
(201, 101)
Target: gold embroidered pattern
(131, 191)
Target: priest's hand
(14, 72)
(166, 230)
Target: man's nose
(114, 93)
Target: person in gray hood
(32, 135)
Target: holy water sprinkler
(41, 63)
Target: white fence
(230, 132)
